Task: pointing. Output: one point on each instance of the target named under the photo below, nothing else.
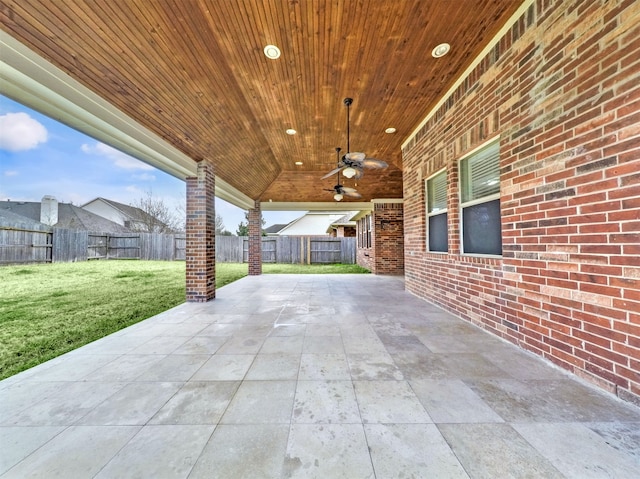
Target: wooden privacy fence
(25, 245)
(147, 246)
(304, 250)
(22, 245)
(60, 245)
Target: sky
(40, 156)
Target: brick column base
(201, 235)
(255, 240)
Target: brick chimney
(49, 210)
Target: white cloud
(11, 173)
(20, 132)
(119, 159)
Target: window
(364, 232)
(437, 231)
(480, 201)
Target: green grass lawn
(312, 269)
(47, 310)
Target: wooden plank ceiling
(194, 72)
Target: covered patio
(509, 130)
(354, 376)
(309, 376)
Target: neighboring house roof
(13, 220)
(130, 211)
(345, 221)
(274, 229)
(73, 217)
(118, 212)
(127, 211)
(69, 216)
(312, 223)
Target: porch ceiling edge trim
(492, 43)
(31, 80)
(387, 200)
(315, 206)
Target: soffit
(194, 73)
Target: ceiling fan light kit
(353, 163)
(349, 172)
(339, 191)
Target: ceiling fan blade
(352, 194)
(373, 163)
(359, 173)
(332, 172)
(355, 156)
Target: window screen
(480, 173)
(481, 228)
(437, 193)
(480, 201)
(437, 229)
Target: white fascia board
(34, 82)
(387, 200)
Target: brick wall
(255, 240)
(561, 90)
(364, 250)
(384, 252)
(200, 236)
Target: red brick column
(201, 236)
(255, 240)
(384, 252)
(388, 238)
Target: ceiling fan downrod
(338, 188)
(348, 101)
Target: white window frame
(476, 201)
(440, 212)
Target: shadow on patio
(310, 376)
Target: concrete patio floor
(310, 376)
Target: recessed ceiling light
(441, 50)
(291, 131)
(390, 130)
(271, 51)
(299, 163)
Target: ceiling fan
(353, 163)
(340, 191)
